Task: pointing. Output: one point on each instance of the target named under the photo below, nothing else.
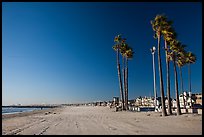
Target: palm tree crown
(190, 57)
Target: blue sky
(62, 52)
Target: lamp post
(153, 49)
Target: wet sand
(99, 120)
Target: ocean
(11, 110)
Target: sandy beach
(99, 120)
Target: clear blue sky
(62, 52)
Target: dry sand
(89, 120)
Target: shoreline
(27, 113)
(99, 120)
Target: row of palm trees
(123, 49)
(175, 52)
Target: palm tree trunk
(161, 79)
(126, 81)
(189, 73)
(124, 84)
(168, 81)
(189, 80)
(176, 89)
(184, 104)
(120, 80)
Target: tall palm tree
(181, 62)
(122, 51)
(158, 25)
(168, 34)
(190, 58)
(176, 50)
(116, 47)
(129, 55)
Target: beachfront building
(190, 100)
(138, 101)
(131, 102)
(174, 103)
(166, 102)
(181, 100)
(144, 101)
(198, 98)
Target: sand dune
(83, 120)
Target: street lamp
(153, 50)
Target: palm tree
(128, 54)
(190, 58)
(122, 51)
(116, 47)
(181, 62)
(158, 25)
(176, 50)
(168, 34)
